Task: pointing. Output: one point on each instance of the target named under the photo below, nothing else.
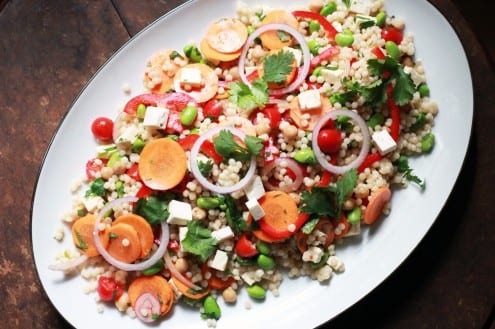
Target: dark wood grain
(49, 49)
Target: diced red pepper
(144, 192)
(94, 166)
(212, 109)
(369, 161)
(245, 247)
(394, 114)
(326, 226)
(173, 245)
(173, 123)
(206, 148)
(327, 54)
(330, 31)
(133, 172)
(273, 114)
(378, 52)
(392, 34)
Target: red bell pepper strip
(369, 160)
(206, 148)
(327, 26)
(394, 114)
(327, 54)
(173, 101)
(378, 52)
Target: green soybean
(263, 247)
(138, 145)
(265, 262)
(192, 52)
(141, 110)
(354, 216)
(211, 308)
(377, 119)
(424, 90)
(381, 17)
(317, 71)
(305, 156)
(313, 46)
(208, 202)
(392, 50)
(344, 39)
(257, 292)
(314, 26)
(188, 115)
(153, 269)
(328, 9)
(427, 142)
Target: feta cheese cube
(190, 76)
(249, 278)
(309, 99)
(383, 141)
(92, 203)
(255, 189)
(223, 234)
(255, 209)
(219, 262)
(297, 54)
(180, 212)
(182, 235)
(354, 230)
(332, 76)
(360, 8)
(156, 117)
(129, 135)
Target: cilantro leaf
(152, 209)
(259, 91)
(205, 167)
(254, 144)
(248, 98)
(403, 167)
(226, 146)
(96, 188)
(198, 241)
(277, 66)
(233, 214)
(375, 93)
(404, 88)
(345, 186)
(81, 244)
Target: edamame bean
(354, 216)
(424, 90)
(208, 202)
(313, 46)
(317, 71)
(157, 267)
(314, 26)
(266, 263)
(257, 292)
(141, 110)
(188, 115)
(427, 142)
(328, 9)
(138, 145)
(211, 308)
(192, 52)
(381, 17)
(305, 156)
(392, 50)
(263, 247)
(376, 119)
(344, 39)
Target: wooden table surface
(49, 49)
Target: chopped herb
(248, 98)
(198, 241)
(322, 261)
(226, 146)
(174, 54)
(205, 167)
(81, 244)
(282, 36)
(343, 123)
(113, 235)
(96, 188)
(233, 214)
(403, 167)
(277, 66)
(152, 209)
(420, 121)
(347, 3)
(254, 144)
(119, 188)
(310, 225)
(366, 24)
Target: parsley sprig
(403, 167)
(199, 241)
(226, 146)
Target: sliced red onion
(176, 274)
(302, 72)
(193, 163)
(69, 264)
(147, 307)
(157, 255)
(286, 163)
(365, 147)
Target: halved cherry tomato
(94, 166)
(173, 245)
(109, 289)
(102, 129)
(212, 109)
(329, 140)
(273, 114)
(245, 247)
(392, 34)
(133, 172)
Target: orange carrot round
(82, 235)
(214, 55)
(124, 244)
(187, 291)
(280, 214)
(271, 39)
(163, 164)
(143, 229)
(156, 285)
(227, 35)
(375, 206)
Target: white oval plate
(302, 303)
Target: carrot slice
(280, 214)
(82, 235)
(214, 55)
(188, 292)
(163, 164)
(156, 285)
(158, 61)
(375, 205)
(266, 238)
(124, 243)
(143, 229)
(227, 35)
(297, 115)
(272, 39)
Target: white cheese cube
(363, 18)
(190, 76)
(223, 234)
(309, 99)
(219, 262)
(249, 278)
(92, 203)
(129, 135)
(156, 117)
(255, 209)
(354, 230)
(182, 235)
(297, 54)
(332, 76)
(360, 8)
(383, 141)
(180, 212)
(255, 189)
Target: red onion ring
(119, 264)
(302, 72)
(150, 304)
(69, 264)
(292, 165)
(176, 274)
(320, 156)
(193, 163)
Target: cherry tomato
(273, 114)
(102, 129)
(329, 140)
(212, 109)
(173, 245)
(109, 289)
(392, 34)
(94, 166)
(245, 248)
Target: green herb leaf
(254, 144)
(344, 187)
(403, 167)
(420, 121)
(233, 214)
(248, 98)
(310, 225)
(347, 3)
(404, 87)
(278, 66)
(81, 244)
(152, 209)
(205, 167)
(198, 241)
(96, 188)
(226, 146)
